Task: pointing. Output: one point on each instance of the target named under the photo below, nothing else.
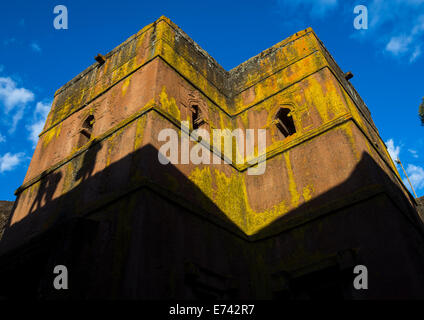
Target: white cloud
(9, 161)
(392, 149)
(415, 54)
(415, 173)
(383, 11)
(416, 176)
(418, 25)
(316, 8)
(14, 99)
(398, 45)
(40, 114)
(42, 109)
(413, 152)
(396, 26)
(34, 131)
(2, 138)
(11, 95)
(35, 47)
(408, 43)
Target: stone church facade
(97, 200)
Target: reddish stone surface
(130, 227)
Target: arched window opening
(86, 131)
(285, 123)
(196, 117)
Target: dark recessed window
(196, 117)
(86, 131)
(285, 123)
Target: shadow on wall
(89, 161)
(139, 229)
(63, 228)
(5, 211)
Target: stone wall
(420, 207)
(5, 210)
(130, 227)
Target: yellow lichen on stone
(230, 197)
(308, 192)
(347, 130)
(203, 180)
(228, 193)
(139, 133)
(259, 220)
(53, 133)
(111, 142)
(295, 196)
(125, 85)
(169, 104)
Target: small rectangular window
(196, 117)
(285, 123)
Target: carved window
(197, 118)
(86, 131)
(285, 123)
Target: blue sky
(387, 59)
